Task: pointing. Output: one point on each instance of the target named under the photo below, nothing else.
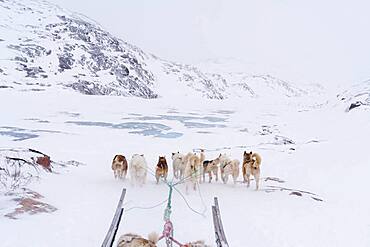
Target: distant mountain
(44, 46)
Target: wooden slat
(219, 230)
(109, 238)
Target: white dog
(138, 169)
(229, 167)
(178, 165)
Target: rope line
(150, 207)
(187, 204)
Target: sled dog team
(190, 168)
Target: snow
(329, 159)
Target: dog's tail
(257, 157)
(153, 237)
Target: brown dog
(251, 166)
(119, 166)
(161, 169)
(211, 166)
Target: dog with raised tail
(119, 166)
(192, 170)
(161, 170)
(229, 167)
(138, 169)
(251, 166)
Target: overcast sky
(324, 41)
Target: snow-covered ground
(316, 148)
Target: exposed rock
(354, 105)
(44, 162)
(296, 193)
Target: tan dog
(119, 166)
(210, 166)
(251, 166)
(192, 170)
(229, 167)
(195, 161)
(134, 240)
(161, 170)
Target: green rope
(167, 211)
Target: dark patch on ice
(188, 121)
(204, 132)
(71, 114)
(140, 128)
(140, 125)
(203, 125)
(226, 112)
(89, 123)
(37, 120)
(183, 119)
(21, 134)
(18, 136)
(134, 114)
(157, 133)
(214, 119)
(148, 118)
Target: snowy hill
(356, 96)
(43, 46)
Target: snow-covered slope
(356, 96)
(307, 156)
(43, 46)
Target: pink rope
(167, 231)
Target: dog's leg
(257, 178)
(248, 180)
(210, 176)
(244, 174)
